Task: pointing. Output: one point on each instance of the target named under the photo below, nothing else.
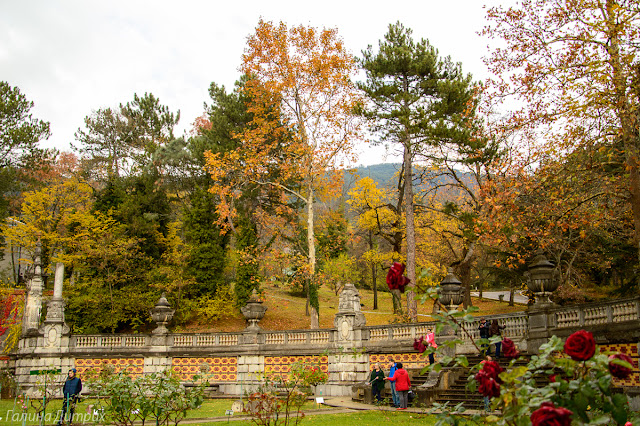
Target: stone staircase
(457, 392)
(454, 394)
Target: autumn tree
(300, 91)
(50, 215)
(379, 213)
(414, 99)
(572, 68)
(568, 207)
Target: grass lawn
(360, 418)
(218, 407)
(287, 312)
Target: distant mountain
(385, 175)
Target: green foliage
(247, 278)
(93, 306)
(207, 308)
(20, 133)
(332, 240)
(313, 296)
(118, 142)
(583, 387)
(157, 396)
(416, 95)
(153, 123)
(338, 271)
(207, 255)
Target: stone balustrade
(599, 313)
(345, 352)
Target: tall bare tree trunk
(311, 242)
(374, 277)
(412, 306)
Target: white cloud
(72, 57)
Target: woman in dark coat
(496, 330)
(376, 380)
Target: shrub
(157, 396)
(578, 386)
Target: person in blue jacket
(394, 392)
(70, 392)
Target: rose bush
(488, 386)
(578, 387)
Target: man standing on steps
(484, 334)
(70, 392)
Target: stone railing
(391, 332)
(109, 341)
(517, 329)
(600, 313)
(381, 336)
(200, 340)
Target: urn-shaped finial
(541, 278)
(450, 290)
(162, 315)
(253, 311)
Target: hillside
(287, 312)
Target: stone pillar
(349, 319)
(33, 304)
(541, 320)
(54, 329)
(450, 296)
(542, 280)
(349, 367)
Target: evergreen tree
(208, 246)
(415, 99)
(247, 272)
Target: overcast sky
(73, 57)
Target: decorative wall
(133, 366)
(281, 365)
(218, 369)
(409, 360)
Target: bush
(157, 396)
(578, 381)
(277, 397)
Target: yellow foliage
(51, 215)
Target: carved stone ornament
(162, 315)
(253, 312)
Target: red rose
(549, 414)
(395, 280)
(552, 378)
(580, 346)
(487, 385)
(492, 369)
(617, 370)
(509, 348)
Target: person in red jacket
(403, 384)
